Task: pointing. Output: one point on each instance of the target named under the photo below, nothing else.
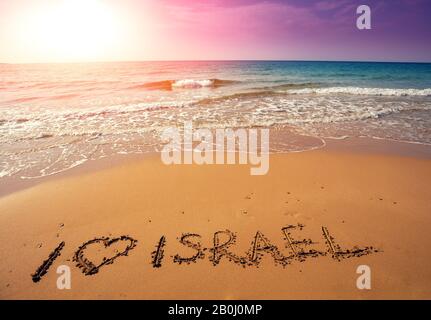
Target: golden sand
(364, 200)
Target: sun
(73, 29)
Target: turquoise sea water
(356, 74)
(56, 116)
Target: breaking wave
(184, 84)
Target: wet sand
(153, 229)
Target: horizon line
(218, 60)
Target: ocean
(54, 117)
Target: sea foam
(364, 91)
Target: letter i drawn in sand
(43, 269)
(158, 254)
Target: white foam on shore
(38, 141)
(363, 91)
(191, 83)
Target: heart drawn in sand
(88, 266)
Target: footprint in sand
(292, 214)
(244, 213)
(249, 196)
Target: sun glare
(72, 29)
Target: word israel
(298, 249)
(181, 147)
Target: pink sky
(213, 30)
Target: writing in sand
(298, 250)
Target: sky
(135, 30)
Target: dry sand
(362, 198)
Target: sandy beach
(367, 198)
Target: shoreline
(363, 199)
(361, 145)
